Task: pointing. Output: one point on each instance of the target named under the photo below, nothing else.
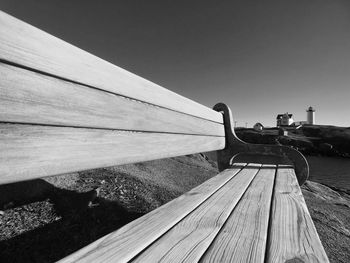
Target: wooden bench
(64, 110)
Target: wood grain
(293, 236)
(125, 243)
(243, 237)
(33, 151)
(29, 97)
(189, 239)
(26, 45)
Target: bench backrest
(64, 110)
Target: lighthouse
(310, 115)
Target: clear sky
(259, 57)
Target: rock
(326, 149)
(66, 202)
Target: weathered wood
(29, 97)
(189, 239)
(28, 46)
(127, 242)
(243, 237)
(293, 236)
(33, 151)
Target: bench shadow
(80, 224)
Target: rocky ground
(44, 220)
(309, 139)
(330, 211)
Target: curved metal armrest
(237, 150)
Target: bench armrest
(237, 150)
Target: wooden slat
(188, 240)
(28, 97)
(244, 235)
(125, 243)
(293, 236)
(32, 151)
(26, 45)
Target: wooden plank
(293, 236)
(125, 243)
(189, 239)
(26, 45)
(244, 235)
(33, 151)
(28, 97)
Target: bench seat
(247, 213)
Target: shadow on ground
(68, 220)
(47, 219)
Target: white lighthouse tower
(310, 115)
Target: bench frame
(237, 150)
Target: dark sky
(260, 57)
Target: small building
(282, 132)
(298, 123)
(258, 126)
(285, 119)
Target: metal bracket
(237, 150)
